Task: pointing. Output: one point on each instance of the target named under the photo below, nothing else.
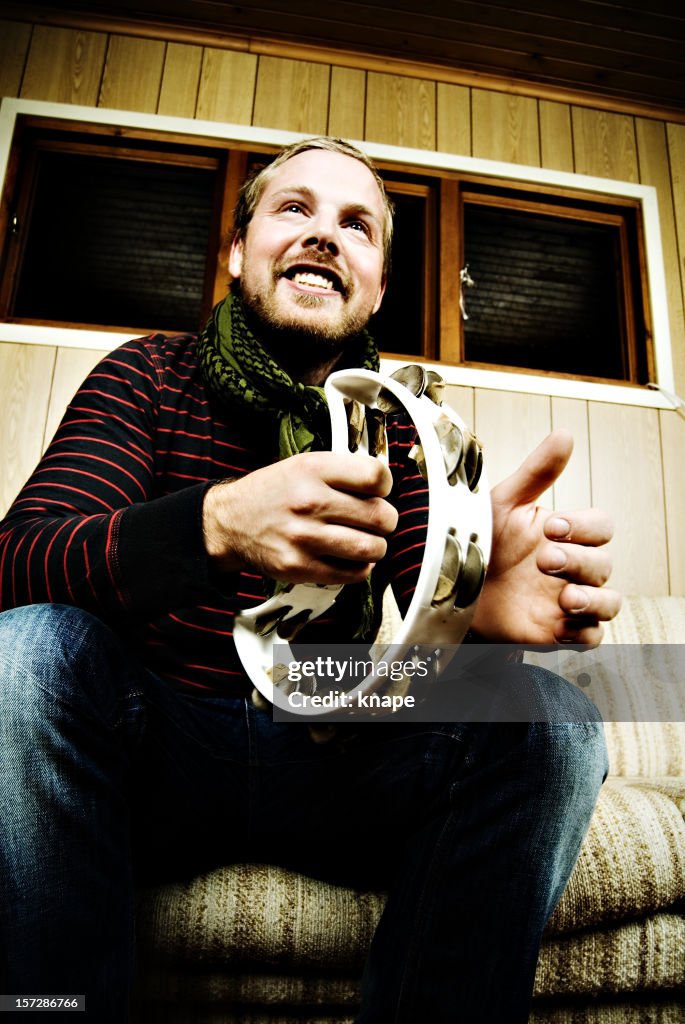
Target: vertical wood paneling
(654, 170)
(604, 144)
(400, 111)
(180, 80)
(676, 150)
(227, 86)
(454, 119)
(64, 65)
(627, 482)
(556, 136)
(505, 127)
(15, 37)
(347, 103)
(572, 490)
(25, 376)
(509, 425)
(462, 401)
(673, 449)
(133, 74)
(292, 94)
(72, 366)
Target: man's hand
(317, 517)
(545, 582)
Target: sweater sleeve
(89, 528)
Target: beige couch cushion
(638, 955)
(632, 864)
(633, 858)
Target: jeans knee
(565, 731)
(52, 654)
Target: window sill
(538, 384)
(464, 376)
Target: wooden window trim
(442, 322)
(429, 348)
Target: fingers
(343, 490)
(537, 472)
(318, 517)
(586, 608)
(576, 563)
(356, 474)
(575, 548)
(590, 526)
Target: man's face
(312, 257)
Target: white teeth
(307, 277)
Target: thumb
(537, 472)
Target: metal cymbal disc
(355, 424)
(435, 386)
(450, 571)
(412, 376)
(472, 576)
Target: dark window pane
(117, 242)
(546, 295)
(398, 325)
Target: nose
(322, 234)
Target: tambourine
(456, 549)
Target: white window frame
(656, 396)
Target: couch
(256, 944)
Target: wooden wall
(627, 459)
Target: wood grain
(556, 136)
(673, 447)
(25, 378)
(64, 65)
(15, 37)
(227, 85)
(573, 490)
(347, 103)
(292, 94)
(676, 152)
(505, 127)
(400, 111)
(604, 144)
(510, 425)
(655, 169)
(133, 74)
(72, 366)
(627, 483)
(454, 119)
(180, 80)
(462, 401)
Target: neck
(307, 359)
(315, 375)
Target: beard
(299, 343)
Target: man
(188, 471)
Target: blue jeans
(109, 777)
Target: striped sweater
(111, 519)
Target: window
(128, 228)
(552, 283)
(112, 231)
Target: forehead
(332, 177)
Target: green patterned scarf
(239, 371)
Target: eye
(359, 225)
(293, 207)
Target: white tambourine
(456, 549)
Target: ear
(379, 297)
(235, 257)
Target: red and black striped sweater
(110, 520)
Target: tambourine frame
(459, 521)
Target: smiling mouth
(319, 279)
